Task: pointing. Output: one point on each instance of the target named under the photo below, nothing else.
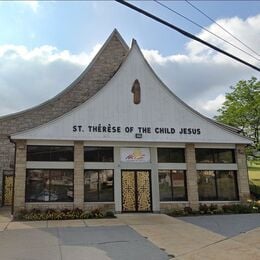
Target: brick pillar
(20, 176)
(242, 173)
(191, 175)
(78, 174)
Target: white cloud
(33, 4)
(210, 107)
(201, 77)
(28, 77)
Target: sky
(45, 45)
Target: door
(136, 191)
(8, 182)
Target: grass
(254, 177)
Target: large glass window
(98, 154)
(172, 185)
(205, 155)
(171, 155)
(49, 185)
(50, 153)
(217, 185)
(99, 185)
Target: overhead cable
(187, 34)
(205, 29)
(231, 34)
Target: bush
(53, 214)
(188, 210)
(203, 208)
(176, 213)
(110, 214)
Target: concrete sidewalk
(178, 238)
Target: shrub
(109, 214)
(52, 214)
(176, 213)
(188, 210)
(203, 208)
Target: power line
(187, 34)
(205, 29)
(222, 27)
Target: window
(171, 155)
(204, 155)
(49, 186)
(50, 153)
(172, 185)
(217, 185)
(98, 154)
(99, 185)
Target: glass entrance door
(136, 191)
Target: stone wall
(97, 74)
(191, 176)
(242, 174)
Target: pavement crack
(112, 242)
(206, 246)
(59, 243)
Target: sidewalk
(179, 238)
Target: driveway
(133, 237)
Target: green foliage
(242, 110)
(250, 207)
(53, 214)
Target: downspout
(11, 141)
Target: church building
(119, 139)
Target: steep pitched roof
(94, 77)
(159, 109)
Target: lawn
(254, 177)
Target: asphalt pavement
(226, 225)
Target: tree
(241, 109)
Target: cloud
(33, 4)
(200, 77)
(43, 72)
(203, 76)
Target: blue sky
(79, 28)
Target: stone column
(78, 174)
(155, 181)
(242, 173)
(20, 176)
(191, 175)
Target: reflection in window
(227, 186)
(98, 154)
(172, 185)
(217, 185)
(50, 153)
(171, 155)
(204, 155)
(207, 185)
(99, 185)
(49, 185)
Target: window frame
(49, 186)
(50, 153)
(172, 188)
(98, 161)
(98, 190)
(171, 148)
(211, 152)
(216, 185)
